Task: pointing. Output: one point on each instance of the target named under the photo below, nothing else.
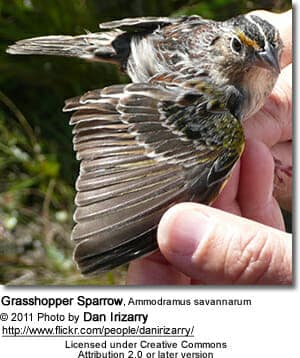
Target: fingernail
(181, 231)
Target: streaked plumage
(173, 135)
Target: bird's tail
(110, 46)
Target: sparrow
(174, 134)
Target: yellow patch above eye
(247, 41)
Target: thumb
(215, 247)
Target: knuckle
(284, 99)
(280, 103)
(232, 257)
(252, 259)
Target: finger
(154, 270)
(284, 23)
(282, 153)
(215, 247)
(273, 123)
(255, 195)
(227, 198)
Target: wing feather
(137, 159)
(89, 181)
(139, 23)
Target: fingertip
(180, 229)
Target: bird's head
(245, 42)
(246, 52)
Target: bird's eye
(236, 45)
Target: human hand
(205, 245)
(273, 124)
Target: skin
(241, 238)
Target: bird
(173, 134)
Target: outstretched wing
(142, 148)
(147, 48)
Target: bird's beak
(268, 59)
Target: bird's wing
(141, 151)
(131, 43)
(113, 45)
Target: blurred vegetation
(37, 164)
